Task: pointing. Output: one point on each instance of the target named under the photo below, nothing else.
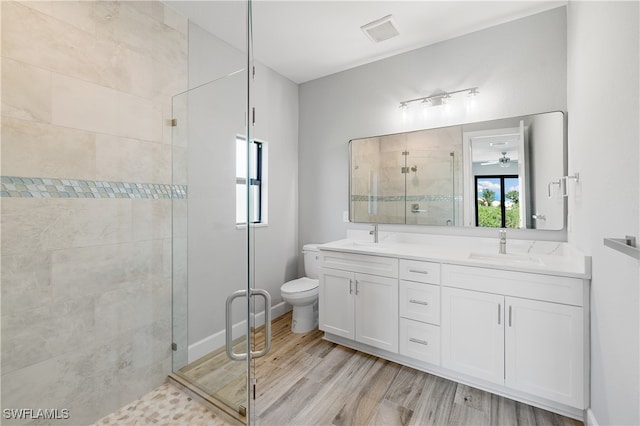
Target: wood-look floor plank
(390, 413)
(470, 406)
(223, 378)
(363, 403)
(305, 380)
(525, 415)
(288, 361)
(274, 383)
(473, 398)
(406, 389)
(436, 404)
(331, 364)
(285, 410)
(544, 417)
(332, 395)
(503, 411)
(234, 392)
(320, 348)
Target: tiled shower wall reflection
(429, 193)
(87, 201)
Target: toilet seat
(298, 286)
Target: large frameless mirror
(502, 173)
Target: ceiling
(304, 40)
(491, 147)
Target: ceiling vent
(381, 29)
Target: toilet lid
(301, 284)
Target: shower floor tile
(166, 405)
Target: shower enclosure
(214, 322)
(409, 178)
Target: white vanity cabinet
(518, 329)
(533, 344)
(359, 298)
(420, 310)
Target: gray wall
(603, 53)
(520, 68)
(217, 250)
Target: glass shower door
(210, 250)
(432, 165)
(215, 302)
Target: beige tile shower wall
(437, 175)
(86, 283)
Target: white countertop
(541, 257)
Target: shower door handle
(267, 324)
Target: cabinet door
(336, 298)
(377, 311)
(544, 347)
(473, 333)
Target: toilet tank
(311, 260)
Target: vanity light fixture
(439, 98)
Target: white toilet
(302, 293)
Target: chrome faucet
(503, 241)
(374, 232)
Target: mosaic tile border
(402, 198)
(36, 187)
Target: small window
(253, 198)
(498, 203)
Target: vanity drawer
(420, 341)
(525, 285)
(420, 302)
(423, 272)
(366, 264)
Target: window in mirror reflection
(498, 203)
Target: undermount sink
(521, 259)
(367, 245)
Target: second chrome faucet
(374, 232)
(503, 241)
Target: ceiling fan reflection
(503, 161)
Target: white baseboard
(591, 418)
(276, 311)
(217, 340)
